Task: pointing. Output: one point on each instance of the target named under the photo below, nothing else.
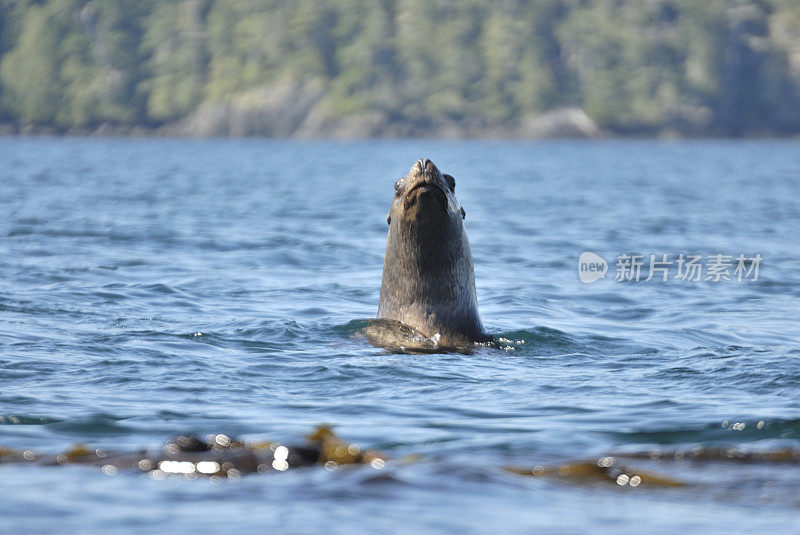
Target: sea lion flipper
(397, 336)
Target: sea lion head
(425, 199)
(428, 278)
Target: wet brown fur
(428, 278)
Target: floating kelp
(610, 469)
(222, 456)
(605, 469)
(785, 455)
(216, 456)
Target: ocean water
(154, 287)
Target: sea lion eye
(450, 182)
(399, 184)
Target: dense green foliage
(400, 67)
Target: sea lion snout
(424, 192)
(424, 165)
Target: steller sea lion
(428, 300)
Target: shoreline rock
(271, 120)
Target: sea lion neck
(424, 244)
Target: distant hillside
(352, 68)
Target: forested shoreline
(397, 68)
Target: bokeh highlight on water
(150, 287)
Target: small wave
(17, 419)
(720, 433)
(346, 330)
(546, 341)
(98, 424)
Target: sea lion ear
(463, 213)
(389, 218)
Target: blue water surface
(151, 287)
